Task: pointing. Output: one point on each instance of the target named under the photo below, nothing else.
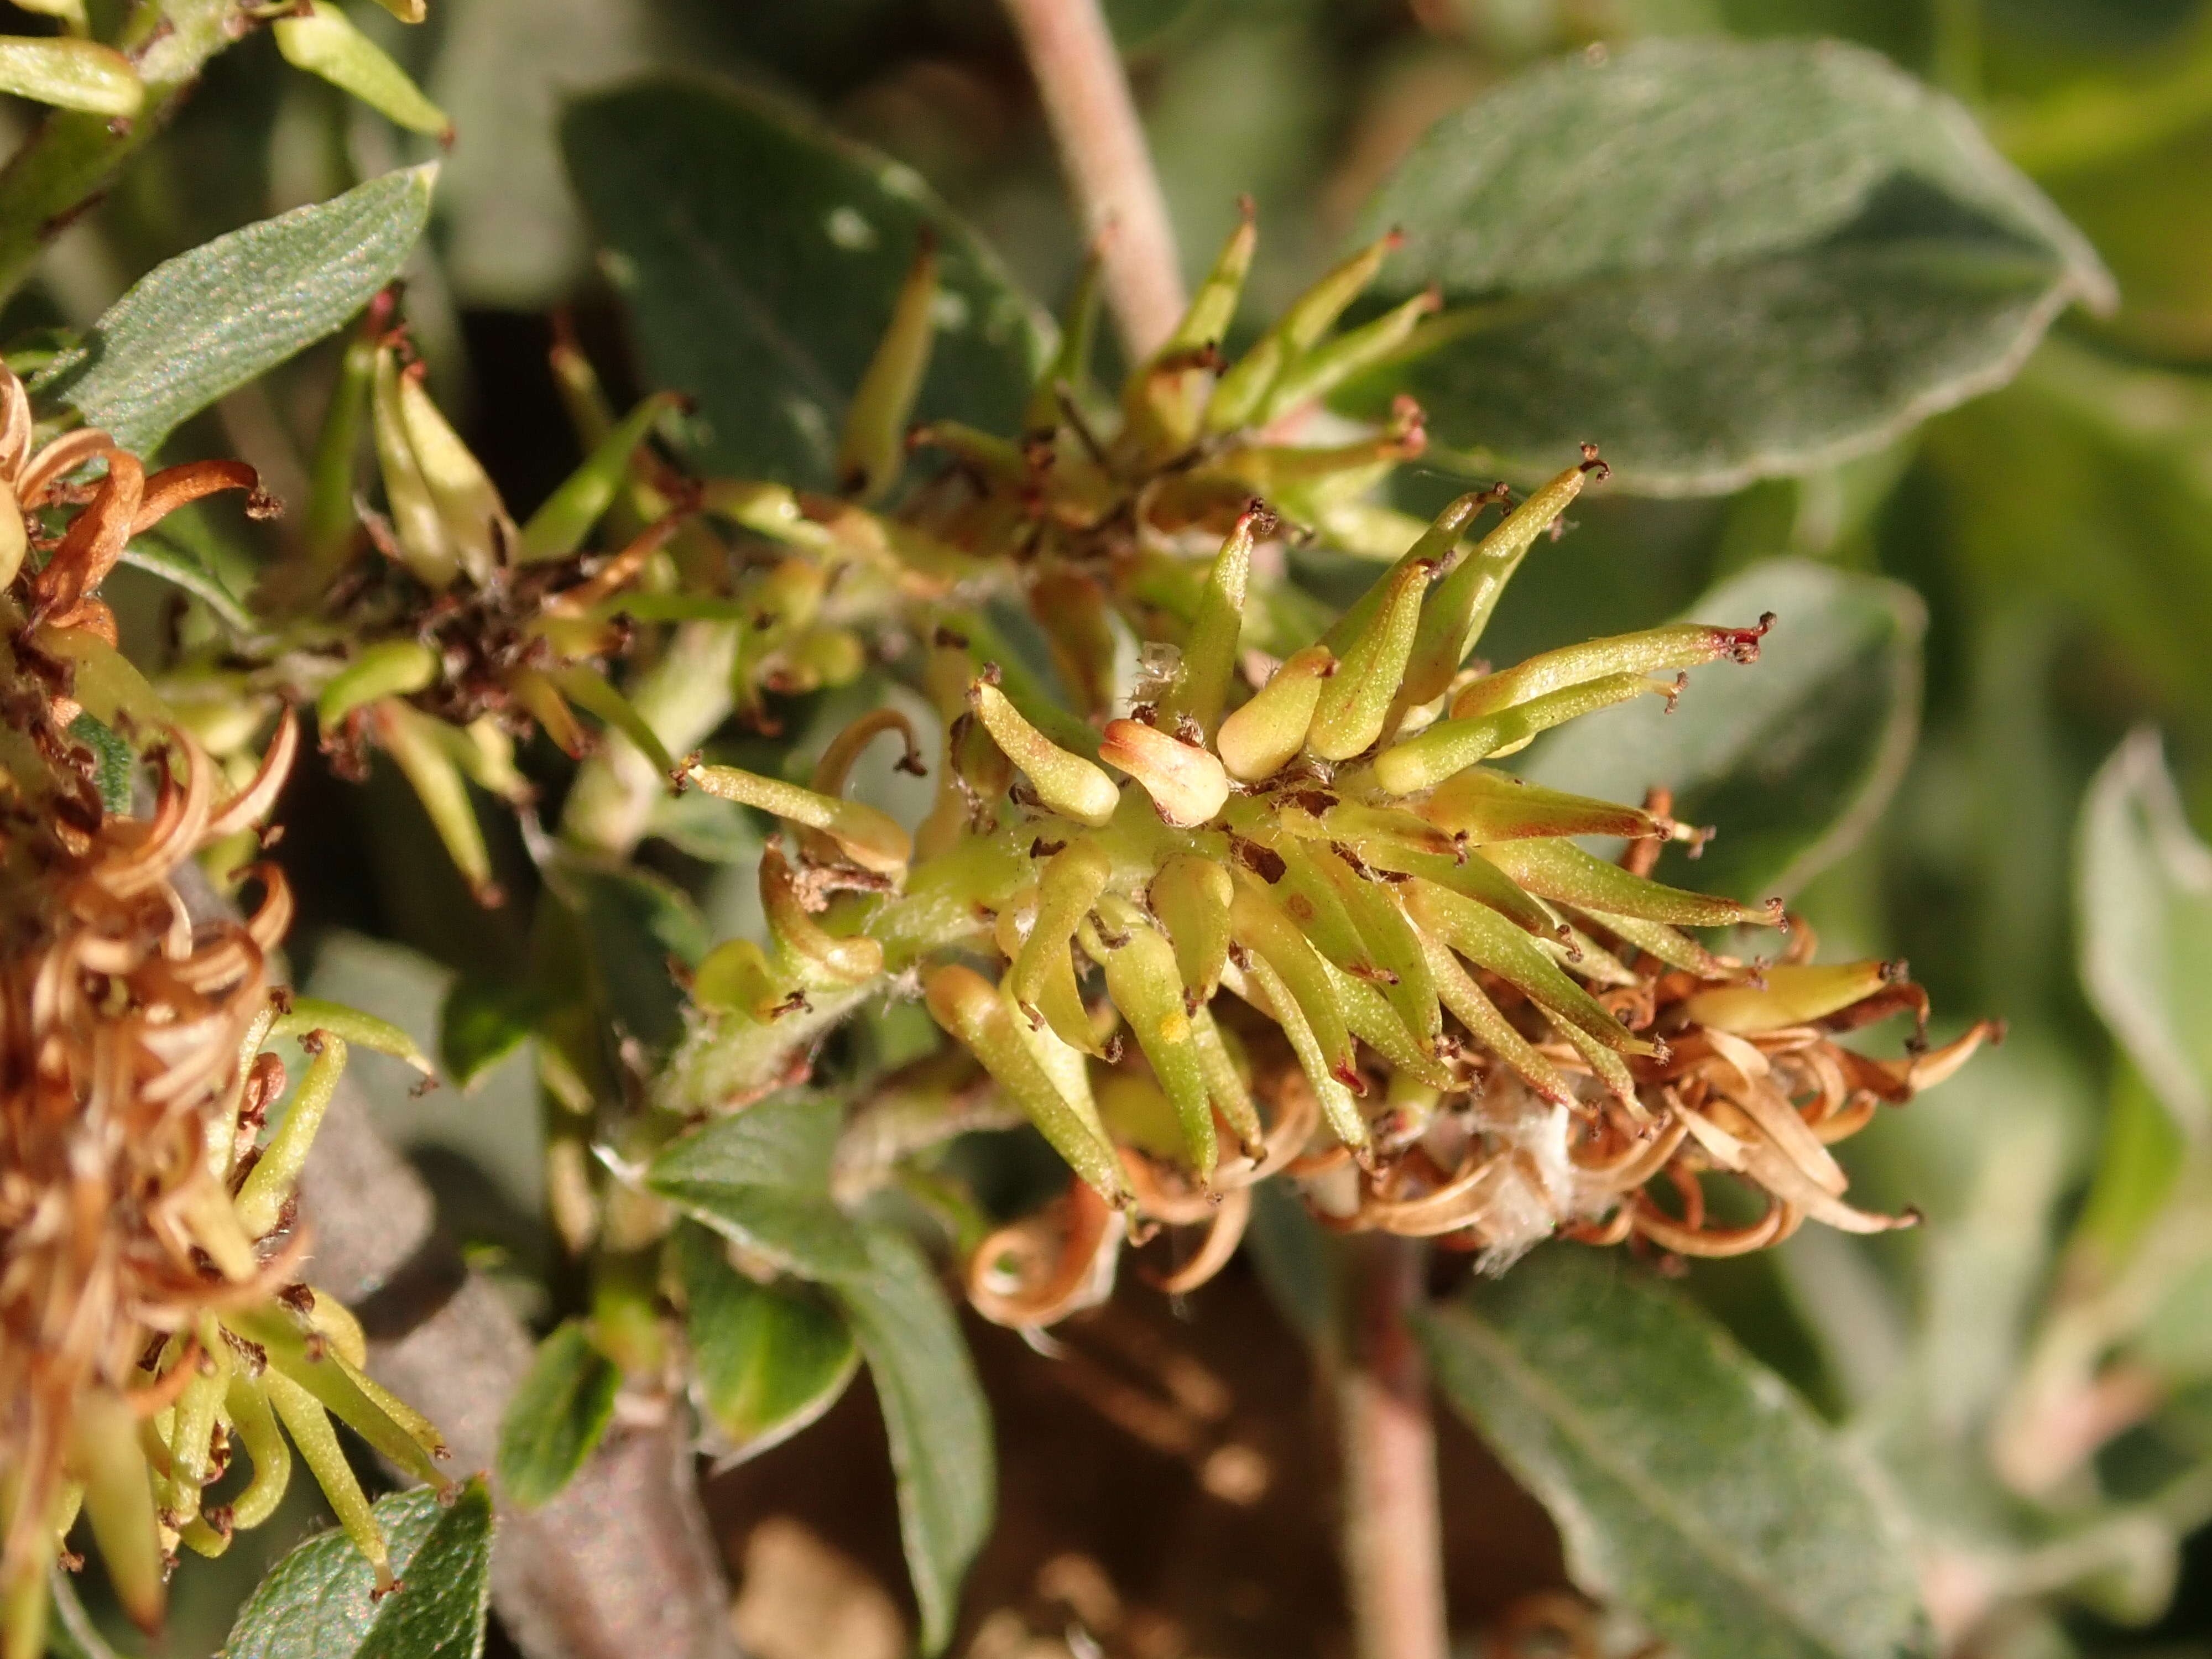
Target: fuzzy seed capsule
(417, 530)
(430, 474)
(1264, 735)
(874, 442)
(1794, 994)
(105, 1455)
(1068, 784)
(389, 668)
(322, 41)
(1260, 927)
(1327, 366)
(1349, 713)
(420, 744)
(736, 979)
(1315, 311)
(1245, 390)
(558, 527)
(1471, 592)
(869, 838)
(1187, 783)
(1042, 978)
(1426, 760)
(969, 1008)
(1389, 939)
(71, 74)
(1224, 1082)
(1475, 1011)
(1653, 651)
(1209, 656)
(824, 957)
(1491, 942)
(1164, 399)
(1191, 896)
(1324, 1072)
(1481, 805)
(1560, 871)
(1142, 981)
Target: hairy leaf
(762, 1177)
(760, 256)
(935, 1414)
(1719, 260)
(115, 764)
(166, 557)
(1689, 1484)
(315, 1603)
(766, 1359)
(483, 1022)
(560, 1410)
(2144, 888)
(207, 322)
(637, 924)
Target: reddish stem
(1109, 168)
(1393, 1531)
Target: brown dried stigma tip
(1743, 642)
(1593, 462)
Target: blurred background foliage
(2032, 863)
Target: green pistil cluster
(1332, 850)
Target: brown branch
(1110, 167)
(621, 1566)
(1393, 1531)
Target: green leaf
(560, 1410)
(935, 1412)
(762, 1177)
(2139, 1163)
(1300, 1264)
(2144, 893)
(1792, 757)
(482, 1023)
(158, 556)
(760, 255)
(637, 923)
(2082, 486)
(115, 766)
(1718, 260)
(512, 234)
(207, 322)
(706, 827)
(1689, 1484)
(766, 1359)
(71, 1633)
(315, 1603)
